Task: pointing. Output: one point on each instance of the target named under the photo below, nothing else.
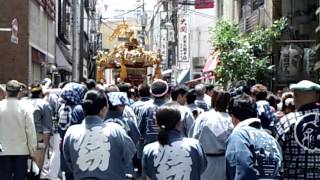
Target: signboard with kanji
(14, 31)
(164, 48)
(204, 4)
(183, 39)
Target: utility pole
(75, 41)
(173, 44)
(143, 23)
(80, 66)
(174, 20)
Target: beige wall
(228, 10)
(42, 30)
(107, 29)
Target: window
(64, 21)
(248, 6)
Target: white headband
(164, 93)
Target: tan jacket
(17, 129)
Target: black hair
(244, 86)
(93, 102)
(13, 94)
(144, 90)
(209, 87)
(124, 87)
(272, 99)
(260, 92)
(220, 101)
(243, 107)
(179, 89)
(90, 83)
(167, 118)
(62, 84)
(191, 97)
(159, 87)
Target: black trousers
(13, 167)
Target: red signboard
(204, 4)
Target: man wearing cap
(17, 134)
(42, 115)
(299, 132)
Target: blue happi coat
(183, 158)
(148, 126)
(95, 150)
(252, 153)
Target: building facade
(32, 57)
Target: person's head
(73, 93)
(168, 118)
(117, 101)
(191, 96)
(144, 90)
(124, 87)
(2, 93)
(95, 103)
(279, 93)
(244, 86)
(305, 92)
(112, 88)
(289, 106)
(62, 84)
(209, 89)
(179, 94)
(284, 97)
(13, 88)
(159, 89)
(36, 90)
(220, 101)
(200, 90)
(242, 107)
(259, 92)
(47, 83)
(91, 84)
(272, 99)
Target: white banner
(164, 49)
(183, 38)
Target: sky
(107, 6)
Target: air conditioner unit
(199, 61)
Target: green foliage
(244, 57)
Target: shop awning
(184, 76)
(212, 62)
(166, 72)
(62, 59)
(200, 78)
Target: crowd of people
(111, 132)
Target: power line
(120, 15)
(201, 14)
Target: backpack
(64, 118)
